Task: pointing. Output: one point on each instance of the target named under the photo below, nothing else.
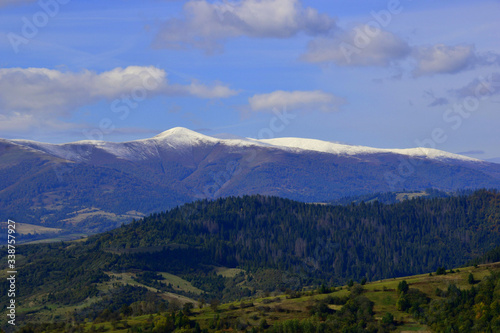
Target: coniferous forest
(337, 242)
(272, 245)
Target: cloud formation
(31, 95)
(42, 89)
(295, 100)
(205, 25)
(370, 45)
(49, 90)
(217, 90)
(444, 59)
(364, 45)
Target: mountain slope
(48, 183)
(333, 309)
(373, 240)
(270, 244)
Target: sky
(386, 74)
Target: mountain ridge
(49, 184)
(183, 136)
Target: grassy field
(228, 272)
(127, 278)
(180, 284)
(80, 215)
(410, 195)
(44, 312)
(47, 235)
(26, 228)
(273, 308)
(277, 308)
(61, 238)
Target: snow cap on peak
(183, 137)
(178, 131)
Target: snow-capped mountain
(48, 182)
(180, 139)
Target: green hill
(439, 303)
(235, 248)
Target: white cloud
(364, 45)
(42, 89)
(49, 90)
(39, 95)
(444, 59)
(206, 24)
(215, 91)
(295, 100)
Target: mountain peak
(178, 131)
(183, 137)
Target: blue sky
(389, 74)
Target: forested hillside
(242, 246)
(337, 242)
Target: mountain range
(92, 186)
